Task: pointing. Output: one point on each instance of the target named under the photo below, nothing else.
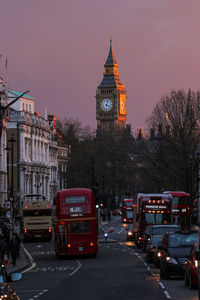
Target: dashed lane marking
(53, 268)
(34, 253)
(167, 294)
(149, 270)
(39, 294)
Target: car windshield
(129, 214)
(130, 227)
(128, 203)
(181, 240)
(162, 230)
(155, 240)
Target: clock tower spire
(110, 98)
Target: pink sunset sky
(57, 49)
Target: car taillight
(25, 230)
(49, 229)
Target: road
(118, 272)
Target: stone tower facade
(110, 98)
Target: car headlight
(159, 254)
(130, 233)
(196, 263)
(171, 260)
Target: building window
(23, 106)
(29, 107)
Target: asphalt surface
(120, 272)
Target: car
(191, 268)
(129, 233)
(6, 291)
(152, 247)
(116, 212)
(175, 250)
(157, 230)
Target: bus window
(80, 227)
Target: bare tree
(176, 120)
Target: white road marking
(33, 264)
(76, 270)
(167, 295)
(162, 286)
(39, 294)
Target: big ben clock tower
(110, 98)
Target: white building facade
(3, 131)
(33, 162)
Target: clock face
(106, 105)
(122, 106)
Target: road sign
(7, 204)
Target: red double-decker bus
(181, 208)
(75, 226)
(152, 209)
(127, 211)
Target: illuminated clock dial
(122, 105)
(106, 105)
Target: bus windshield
(157, 218)
(180, 200)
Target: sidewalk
(22, 262)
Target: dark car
(116, 212)
(157, 230)
(130, 233)
(175, 250)
(191, 268)
(152, 247)
(6, 291)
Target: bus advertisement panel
(37, 218)
(75, 225)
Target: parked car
(152, 247)
(191, 268)
(157, 230)
(129, 233)
(116, 212)
(175, 249)
(6, 291)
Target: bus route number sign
(76, 209)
